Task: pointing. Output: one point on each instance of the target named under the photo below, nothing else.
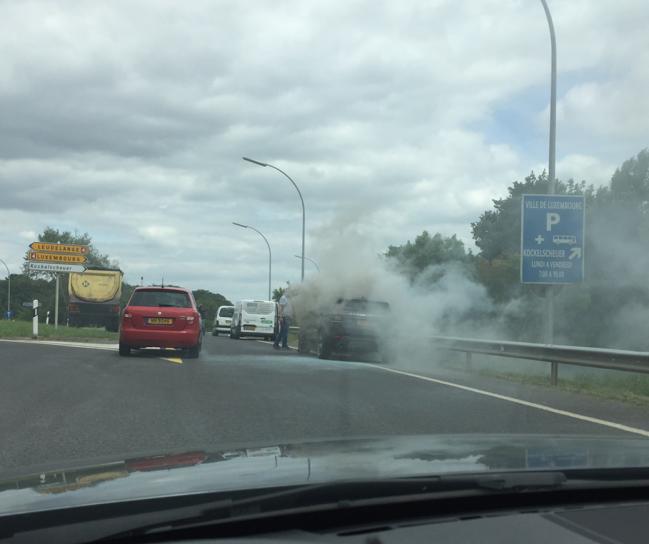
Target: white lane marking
(543, 407)
(86, 345)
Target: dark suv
(356, 326)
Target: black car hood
(311, 462)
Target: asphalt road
(63, 405)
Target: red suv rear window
(160, 298)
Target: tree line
(31, 285)
(610, 308)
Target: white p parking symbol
(551, 219)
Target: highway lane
(61, 404)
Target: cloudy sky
(129, 119)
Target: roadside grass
(631, 388)
(292, 339)
(23, 329)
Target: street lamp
(270, 255)
(8, 289)
(549, 334)
(310, 260)
(258, 163)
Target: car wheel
(324, 347)
(124, 350)
(215, 332)
(194, 351)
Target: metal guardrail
(608, 359)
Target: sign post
(50, 257)
(552, 248)
(35, 320)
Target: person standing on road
(285, 318)
(203, 314)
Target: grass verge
(23, 329)
(633, 389)
(292, 339)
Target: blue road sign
(552, 239)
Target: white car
(222, 320)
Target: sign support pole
(554, 369)
(56, 303)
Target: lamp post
(549, 333)
(270, 255)
(264, 164)
(310, 260)
(8, 289)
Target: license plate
(249, 327)
(160, 321)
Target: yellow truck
(94, 297)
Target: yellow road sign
(71, 249)
(56, 258)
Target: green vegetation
(609, 309)
(211, 302)
(277, 293)
(631, 388)
(23, 329)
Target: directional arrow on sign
(70, 249)
(575, 253)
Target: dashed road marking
(176, 360)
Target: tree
(611, 307)
(497, 233)
(211, 302)
(94, 257)
(277, 293)
(415, 258)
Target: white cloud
(128, 120)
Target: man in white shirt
(285, 318)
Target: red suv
(164, 317)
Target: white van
(222, 320)
(254, 318)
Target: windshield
(175, 299)
(365, 306)
(226, 312)
(311, 240)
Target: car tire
(215, 332)
(324, 347)
(194, 351)
(124, 350)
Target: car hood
(272, 465)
